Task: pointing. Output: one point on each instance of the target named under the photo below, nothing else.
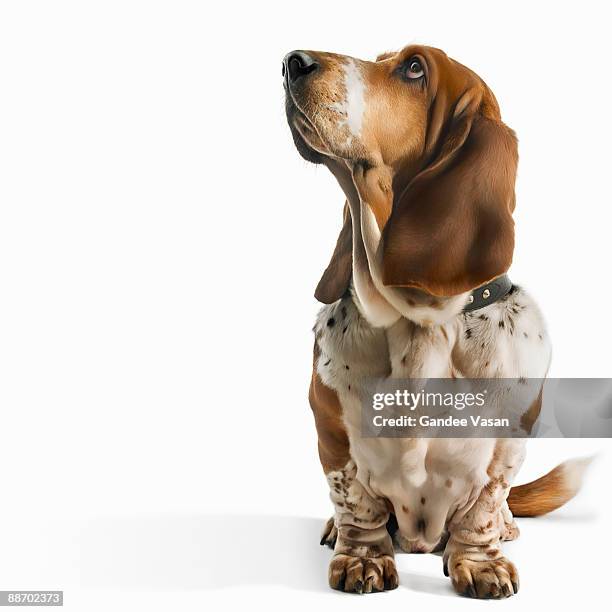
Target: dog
(417, 288)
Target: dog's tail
(550, 491)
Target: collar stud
(488, 293)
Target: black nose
(298, 64)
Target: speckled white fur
(406, 470)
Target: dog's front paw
(362, 575)
(483, 579)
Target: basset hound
(417, 145)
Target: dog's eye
(415, 69)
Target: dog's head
(420, 138)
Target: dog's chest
(426, 480)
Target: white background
(160, 240)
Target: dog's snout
(298, 64)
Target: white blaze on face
(353, 106)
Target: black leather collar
(488, 293)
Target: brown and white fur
(416, 142)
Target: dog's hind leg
(510, 529)
(329, 535)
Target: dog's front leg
(363, 560)
(473, 557)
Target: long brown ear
(451, 229)
(337, 276)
